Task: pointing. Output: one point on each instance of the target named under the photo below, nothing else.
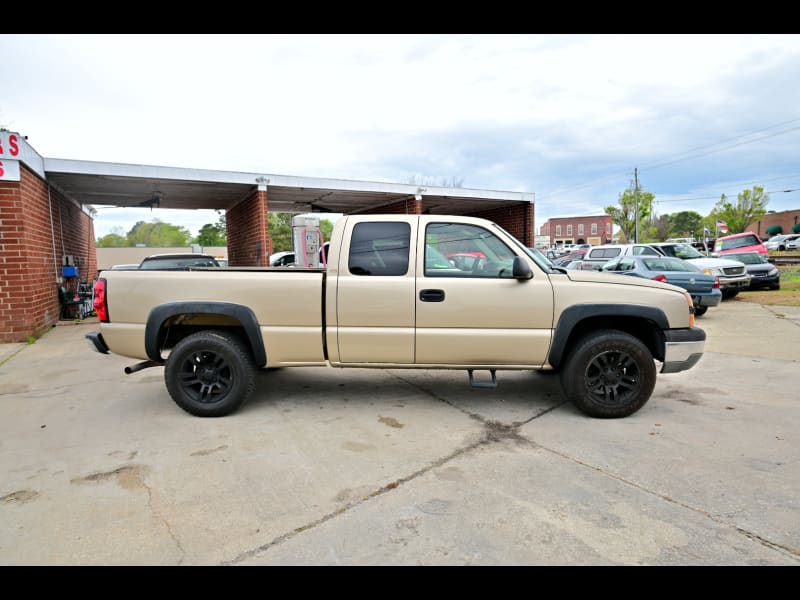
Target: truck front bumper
(683, 348)
(97, 342)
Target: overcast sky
(565, 117)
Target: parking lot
(334, 466)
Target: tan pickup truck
(429, 292)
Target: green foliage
(158, 233)
(623, 215)
(31, 340)
(686, 223)
(211, 235)
(113, 240)
(750, 205)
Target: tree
(623, 215)
(112, 240)
(211, 235)
(158, 233)
(659, 230)
(686, 223)
(750, 205)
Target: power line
(719, 195)
(685, 155)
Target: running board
(483, 384)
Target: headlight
(773, 272)
(714, 271)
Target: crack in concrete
(494, 432)
(164, 520)
(792, 552)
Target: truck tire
(609, 374)
(210, 373)
(699, 311)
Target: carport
(46, 210)
(247, 197)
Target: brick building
(787, 219)
(46, 210)
(594, 230)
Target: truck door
(375, 295)
(469, 308)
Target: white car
(794, 244)
(782, 242)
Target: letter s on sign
(13, 145)
(2, 171)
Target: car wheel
(210, 373)
(609, 374)
(775, 286)
(729, 294)
(699, 311)
(781, 248)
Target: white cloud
(535, 113)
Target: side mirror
(521, 269)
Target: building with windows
(594, 230)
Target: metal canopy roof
(128, 185)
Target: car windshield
(670, 264)
(748, 258)
(539, 258)
(681, 251)
(164, 263)
(739, 242)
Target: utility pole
(636, 205)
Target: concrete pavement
(351, 466)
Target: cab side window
(379, 249)
(461, 250)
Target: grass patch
(788, 295)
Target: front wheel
(609, 374)
(699, 311)
(210, 374)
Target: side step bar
(483, 384)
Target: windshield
(681, 251)
(748, 258)
(539, 258)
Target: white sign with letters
(9, 170)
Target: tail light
(660, 278)
(100, 306)
(716, 283)
(691, 308)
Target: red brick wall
(28, 289)
(517, 220)
(401, 207)
(248, 234)
(786, 219)
(549, 228)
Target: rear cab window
(379, 249)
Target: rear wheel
(699, 311)
(210, 374)
(609, 374)
(729, 294)
(775, 286)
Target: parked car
(600, 255)
(704, 289)
(762, 272)
(126, 267)
(793, 245)
(780, 242)
(176, 262)
(287, 259)
(732, 274)
(739, 242)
